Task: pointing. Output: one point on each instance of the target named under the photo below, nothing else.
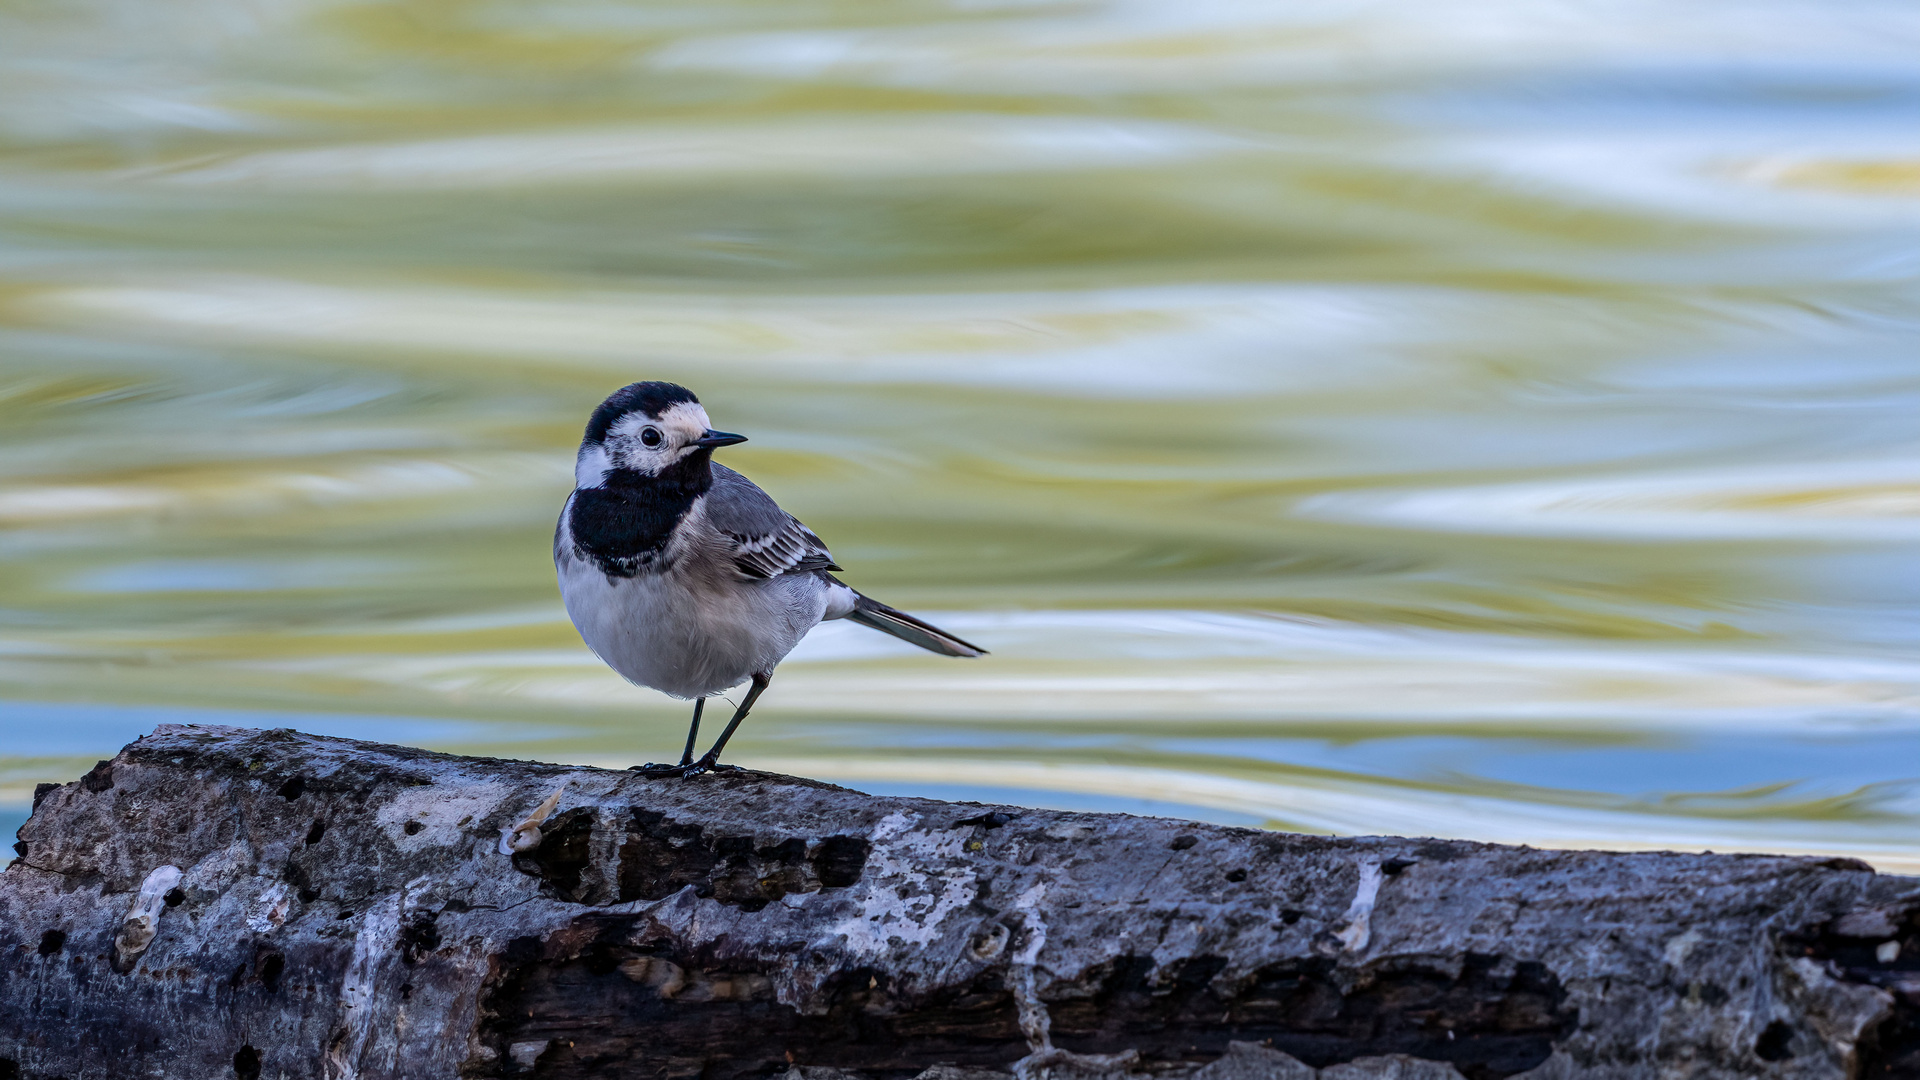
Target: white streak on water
(874, 146)
(1859, 501)
(1091, 665)
(1147, 47)
(1232, 338)
(267, 491)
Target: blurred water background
(1493, 419)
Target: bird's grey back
(736, 504)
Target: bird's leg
(686, 756)
(711, 760)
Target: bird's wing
(767, 541)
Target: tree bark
(219, 902)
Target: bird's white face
(645, 444)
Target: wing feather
(766, 540)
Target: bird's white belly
(679, 632)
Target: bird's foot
(685, 769)
(653, 771)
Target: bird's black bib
(624, 525)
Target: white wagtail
(684, 576)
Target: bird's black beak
(719, 438)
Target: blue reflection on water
(1060, 800)
(60, 729)
(11, 818)
(1624, 764)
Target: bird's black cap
(651, 398)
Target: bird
(682, 575)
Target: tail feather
(873, 613)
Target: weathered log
(225, 902)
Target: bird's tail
(870, 612)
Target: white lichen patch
(1027, 906)
(269, 912)
(438, 809)
(1679, 946)
(379, 929)
(1359, 928)
(930, 866)
(1035, 1023)
(1045, 1060)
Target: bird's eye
(650, 436)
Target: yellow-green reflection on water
(1485, 420)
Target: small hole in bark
(1707, 992)
(293, 788)
(412, 828)
(1291, 916)
(985, 821)
(246, 1063)
(272, 966)
(1236, 875)
(317, 830)
(1775, 1043)
(345, 913)
(20, 848)
(52, 942)
(1396, 864)
(308, 896)
(1184, 841)
(175, 897)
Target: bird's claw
(652, 770)
(682, 770)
